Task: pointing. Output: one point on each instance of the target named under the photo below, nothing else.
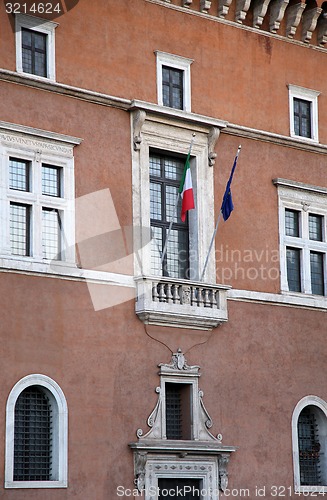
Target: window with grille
(302, 117)
(35, 46)
(303, 111)
(174, 81)
(34, 52)
(305, 251)
(33, 436)
(37, 208)
(165, 176)
(178, 411)
(172, 87)
(309, 448)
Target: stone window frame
(311, 96)
(322, 405)
(60, 432)
(306, 199)
(38, 147)
(203, 456)
(177, 62)
(42, 26)
(153, 132)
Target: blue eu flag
(227, 205)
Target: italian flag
(186, 190)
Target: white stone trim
(286, 299)
(47, 147)
(173, 137)
(305, 199)
(308, 95)
(178, 62)
(60, 433)
(322, 405)
(205, 469)
(42, 26)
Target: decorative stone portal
(179, 443)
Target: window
(174, 81)
(179, 451)
(178, 411)
(186, 488)
(35, 46)
(165, 176)
(36, 434)
(36, 198)
(309, 434)
(303, 105)
(303, 223)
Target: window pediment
(155, 447)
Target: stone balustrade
(180, 303)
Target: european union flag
(227, 205)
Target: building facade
(134, 362)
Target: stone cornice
(65, 90)
(38, 133)
(278, 139)
(299, 185)
(165, 113)
(161, 113)
(238, 23)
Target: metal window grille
(20, 229)
(34, 52)
(174, 423)
(51, 233)
(293, 261)
(315, 227)
(51, 180)
(186, 488)
(172, 87)
(33, 436)
(292, 223)
(302, 117)
(165, 176)
(309, 449)
(317, 273)
(19, 174)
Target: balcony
(180, 303)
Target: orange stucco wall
(258, 365)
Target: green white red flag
(186, 190)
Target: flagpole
(216, 228)
(175, 209)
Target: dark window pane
(51, 234)
(32, 436)
(20, 229)
(19, 172)
(51, 180)
(165, 175)
(172, 87)
(34, 52)
(309, 448)
(302, 117)
(293, 256)
(315, 227)
(317, 273)
(178, 411)
(292, 218)
(172, 488)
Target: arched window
(309, 432)
(36, 434)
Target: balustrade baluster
(162, 295)
(155, 295)
(169, 294)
